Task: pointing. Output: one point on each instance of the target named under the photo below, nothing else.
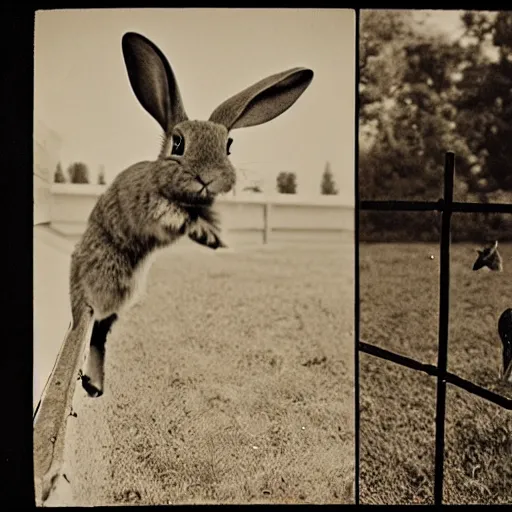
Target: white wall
(52, 312)
(47, 145)
(51, 258)
(289, 217)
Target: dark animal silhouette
(489, 257)
(505, 332)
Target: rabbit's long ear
(264, 100)
(152, 80)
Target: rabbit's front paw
(205, 233)
(92, 388)
(93, 375)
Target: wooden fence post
(267, 207)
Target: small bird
(489, 257)
(505, 332)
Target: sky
(447, 22)
(82, 90)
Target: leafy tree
(287, 183)
(59, 175)
(421, 95)
(328, 186)
(281, 182)
(407, 112)
(485, 102)
(78, 173)
(101, 177)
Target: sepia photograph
(435, 257)
(194, 260)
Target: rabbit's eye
(230, 141)
(178, 145)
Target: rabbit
(147, 207)
(489, 257)
(151, 205)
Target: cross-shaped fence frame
(446, 206)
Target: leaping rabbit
(151, 205)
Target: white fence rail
(247, 218)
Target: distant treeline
(286, 182)
(78, 172)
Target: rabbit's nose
(204, 190)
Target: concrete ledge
(50, 422)
(55, 360)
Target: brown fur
(147, 207)
(151, 205)
(134, 218)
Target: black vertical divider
(356, 269)
(444, 313)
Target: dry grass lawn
(231, 382)
(399, 286)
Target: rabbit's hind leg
(93, 377)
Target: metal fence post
(444, 313)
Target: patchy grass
(399, 287)
(232, 382)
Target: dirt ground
(231, 382)
(399, 287)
